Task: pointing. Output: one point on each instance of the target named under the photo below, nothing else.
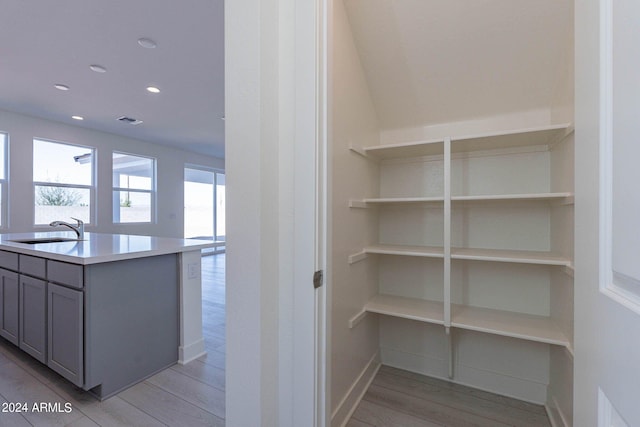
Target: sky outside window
(3, 151)
(56, 163)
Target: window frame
(4, 185)
(91, 187)
(152, 191)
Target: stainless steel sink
(37, 240)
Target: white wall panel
(426, 178)
(606, 356)
(507, 366)
(625, 151)
(411, 277)
(501, 286)
(524, 227)
(506, 174)
(411, 225)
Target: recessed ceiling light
(147, 43)
(77, 117)
(97, 68)
(61, 86)
(153, 89)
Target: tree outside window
(63, 181)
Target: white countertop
(97, 248)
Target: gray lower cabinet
(65, 332)
(9, 306)
(33, 317)
(103, 326)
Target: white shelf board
(408, 149)
(563, 197)
(515, 256)
(407, 308)
(394, 200)
(510, 324)
(417, 251)
(544, 135)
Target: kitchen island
(105, 312)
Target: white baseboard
(420, 364)
(191, 352)
(494, 382)
(556, 417)
(350, 401)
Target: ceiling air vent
(129, 120)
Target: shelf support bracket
(358, 150)
(562, 136)
(357, 257)
(355, 320)
(358, 204)
(569, 270)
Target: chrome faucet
(78, 228)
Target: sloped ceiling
(47, 42)
(440, 61)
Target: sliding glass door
(204, 204)
(219, 217)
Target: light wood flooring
(193, 394)
(398, 398)
(184, 396)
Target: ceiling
(426, 62)
(441, 61)
(57, 41)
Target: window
(3, 179)
(63, 181)
(220, 218)
(133, 188)
(204, 204)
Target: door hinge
(317, 279)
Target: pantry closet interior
(451, 154)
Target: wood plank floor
(193, 394)
(184, 396)
(398, 398)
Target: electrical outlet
(193, 270)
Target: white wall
(271, 135)
(354, 122)
(170, 174)
(562, 104)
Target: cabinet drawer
(65, 274)
(9, 260)
(33, 266)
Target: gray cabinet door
(65, 332)
(33, 317)
(9, 306)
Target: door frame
(275, 110)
